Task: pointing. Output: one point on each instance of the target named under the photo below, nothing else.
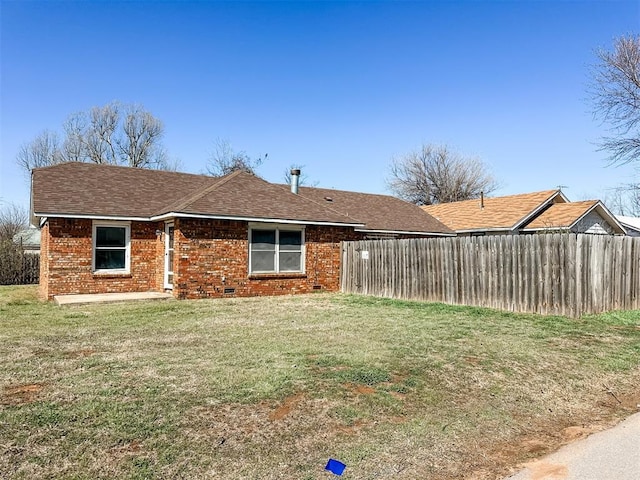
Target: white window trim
(127, 254)
(278, 227)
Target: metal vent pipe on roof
(295, 180)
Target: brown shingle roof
(241, 194)
(498, 213)
(106, 190)
(83, 189)
(561, 215)
(378, 212)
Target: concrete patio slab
(109, 298)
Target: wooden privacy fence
(17, 267)
(564, 274)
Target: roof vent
(328, 199)
(295, 180)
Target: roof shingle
(561, 215)
(84, 189)
(378, 212)
(498, 213)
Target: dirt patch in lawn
(285, 407)
(360, 389)
(132, 447)
(21, 394)
(84, 352)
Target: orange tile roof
(498, 213)
(561, 215)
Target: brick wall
(66, 260)
(212, 256)
(210, 260)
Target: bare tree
(224, 160)
(99, 135)
(140, 144)
(615, 91)
(43, 150)
(13, 219)
(435, 174)
(114, 134)
(624, 200)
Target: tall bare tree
(225, 160)
(115, 134)
(615, 92)
(435, 174)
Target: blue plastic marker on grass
(336, 467)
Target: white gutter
(171, 215)
(166, 216)
(91, 217)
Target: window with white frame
(111, 243)
(276, 250)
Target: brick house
(118, 229)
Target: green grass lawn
(273, 387)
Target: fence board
(17, 267)
(562, 274)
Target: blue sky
(339, 87)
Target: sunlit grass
(272, 387)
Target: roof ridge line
(349, 192)
(537, 211)
(217, 181)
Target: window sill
(112, 274)
(281, 275)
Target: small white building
(29, 239)
(631, 225)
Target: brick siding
(212, 256)
(210, 260)
(66, 260)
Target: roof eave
(544, 229)
(170, 215)
(479, 230)
(166, 216)
(405, 232)
(90, 216)
(630, 227)
(527, 218)
(612, 220)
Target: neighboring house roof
(29, 238)
(569, 215)
(107, 191)
(632, 223)
(496, 213)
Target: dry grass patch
(271, 388)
